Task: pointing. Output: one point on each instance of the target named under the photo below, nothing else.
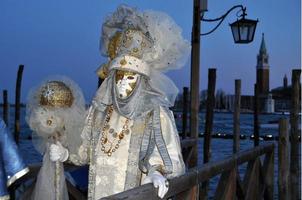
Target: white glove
(159, 181)
(58, 153)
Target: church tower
(262, 70)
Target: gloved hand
(159, 181)
(58, 153)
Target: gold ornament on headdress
(113, 45)
(121, 43)
(56, 94)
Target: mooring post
(256, 115)
(208, 127)
(283, 160)
(209, 113)
(294, 136)
(5, 107)
(185, 112)
(17, 103)
(194, 84)
(236, 116)
(236, 127)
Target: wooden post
(209, 114)
(283, 160)
(185, 112)
(256, 113)
(208, 126)
(5, 107)
(294, 136)
(236, 117)
(17, 103)
(194, 86)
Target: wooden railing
(258, 181)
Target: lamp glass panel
(244, 30)
(252, 30)
(235, 33)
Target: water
(220, 148)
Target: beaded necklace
(105, 142)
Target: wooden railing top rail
(195, 175)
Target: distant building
(282, 96)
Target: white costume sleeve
(171, 138)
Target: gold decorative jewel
(56, 94)
(123, 62)
(49, 122)
(105, 142)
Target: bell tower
(263, 70)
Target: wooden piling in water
(236, 116)
(283, 160)
(256, 115)
(294, 136)
(208, 126)
(209, 113)
(194, 84)
(17, 103)
(185, 112)
(5, 107)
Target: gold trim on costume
(17, 176)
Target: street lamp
(243, 30)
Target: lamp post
(243, 31)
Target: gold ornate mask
(56, 94)
(125, 83)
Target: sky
(62, 38)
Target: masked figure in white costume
(130, 137)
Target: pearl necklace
(113, 145)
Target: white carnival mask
(125, 83)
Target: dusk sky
(62, 37)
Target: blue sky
(62, 37)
